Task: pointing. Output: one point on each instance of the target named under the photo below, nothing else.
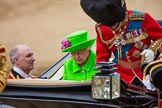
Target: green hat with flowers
(76, 41)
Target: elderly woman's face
(80, 56)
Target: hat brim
(80, 46)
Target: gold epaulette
(3, 68)
(3, 60)
(136, 16)
(156, 45)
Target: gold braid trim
(12, 76)
(136, 16)
(156, 45)
(111, 41)
(101, 37)
(3, 68)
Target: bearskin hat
(107, 12)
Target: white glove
(149, 55)
(148, 84)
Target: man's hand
(149, 55)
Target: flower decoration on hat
(65, 44)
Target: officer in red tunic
(127, 34)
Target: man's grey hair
(15, 51)
(13, 54)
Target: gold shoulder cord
(3, 68)
(130, 17)
(101, 37)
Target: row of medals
(130, 37)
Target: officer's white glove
(148, 84)
(148, 54)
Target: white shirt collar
(22, 73)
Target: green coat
(72, 71)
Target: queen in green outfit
(80, 66)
